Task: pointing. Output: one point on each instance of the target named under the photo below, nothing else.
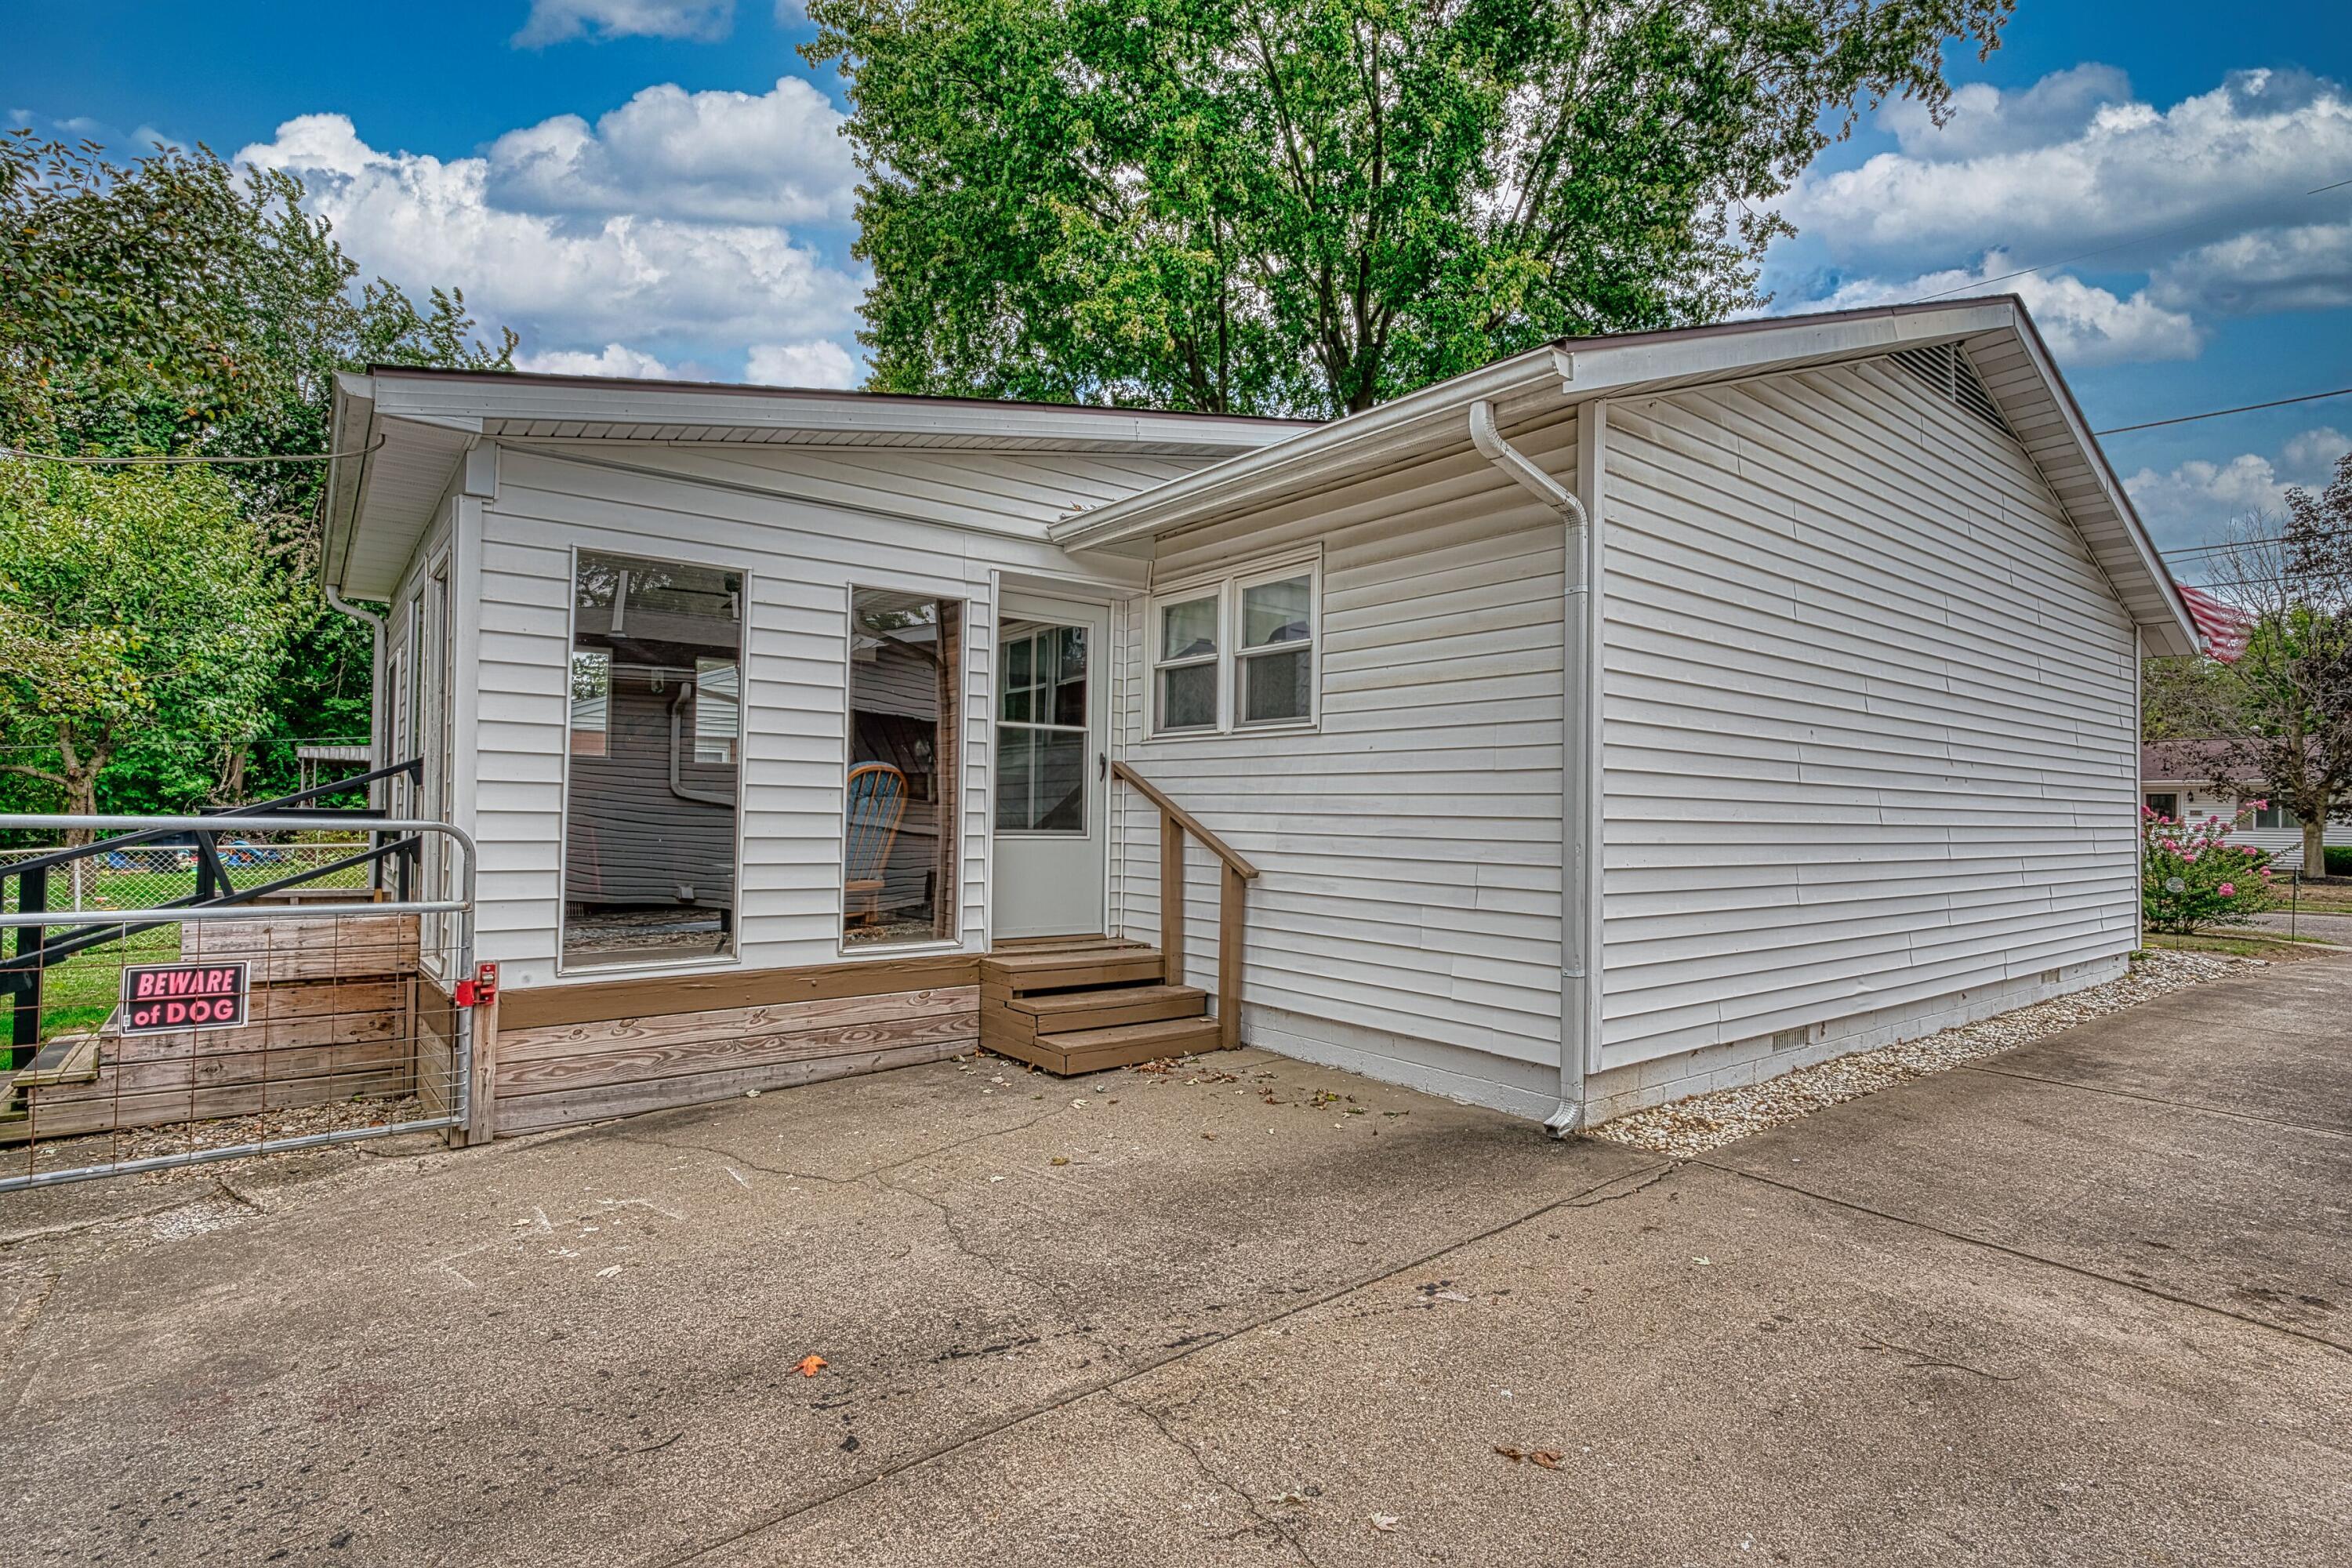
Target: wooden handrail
(1192, 825)
(1175, 822)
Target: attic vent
(1948, 370)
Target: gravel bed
(100, 1148)
(1709, 1120)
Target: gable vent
(1948, 370)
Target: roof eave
(1236, 481)
(2179, 636)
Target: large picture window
(899, 818)
(649, 843)
(1238, 653)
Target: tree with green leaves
(1240, 207)
(130, 603)
(176, 305)
(2281, 712)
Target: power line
(158, 458)
(2231, 544)
(2217, 413)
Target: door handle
(1102, 767)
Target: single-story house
(1635, 715)
(2185, 780)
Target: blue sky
(655, 187)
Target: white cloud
(723, 157)
(1984, 120)
(2307, 267)
(421, 220)
(2195, 498)
(2085, 324)
(612, 358)
(817, 364)
(2309, 459)
(558, 21)
(2065, 166)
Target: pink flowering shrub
(2192, 877)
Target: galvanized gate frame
(462, 907)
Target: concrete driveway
(2086, 1302)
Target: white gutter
(1579, 760)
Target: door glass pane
(1014, 681)
(1276, 612)
(1041, 780)
(649, 812)
(1042, 743)
(1068, 702)
(1189, 630)
(1275, 686)
(899, 843)
(1188, 697)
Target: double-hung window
(1238, 652)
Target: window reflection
(898, 837)
(650, 809)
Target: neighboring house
(2182, 779)
(1833, 740)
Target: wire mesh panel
(190, 1031)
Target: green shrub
(2339, 859)
(2192, 876)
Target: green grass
(81, 992)
(2236, 945)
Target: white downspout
(374, 623)
(1580, 558)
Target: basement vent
(1948, 370)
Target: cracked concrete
(2086, 1309)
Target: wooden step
(67, 1058)
(1093, 1050)
(1021, 973)
(1058, 1011)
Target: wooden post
(1229, 961)
(1172, 899)
(481, 1090)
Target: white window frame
(998, 722)
(971, 611)
(565, 967)
(1226, 588)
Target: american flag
(2224, 626)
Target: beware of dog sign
(160, 997)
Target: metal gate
(199, 1020)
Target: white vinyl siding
(1869, 708)
(1409, 847)
(801, 559)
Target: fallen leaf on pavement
(1386, 1523)
(1059, 1160)
(809, 1365)
(1511, 1454)
(1548, 1458)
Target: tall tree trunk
(80, 776)
(2314, 851)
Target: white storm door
(1052, 785)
